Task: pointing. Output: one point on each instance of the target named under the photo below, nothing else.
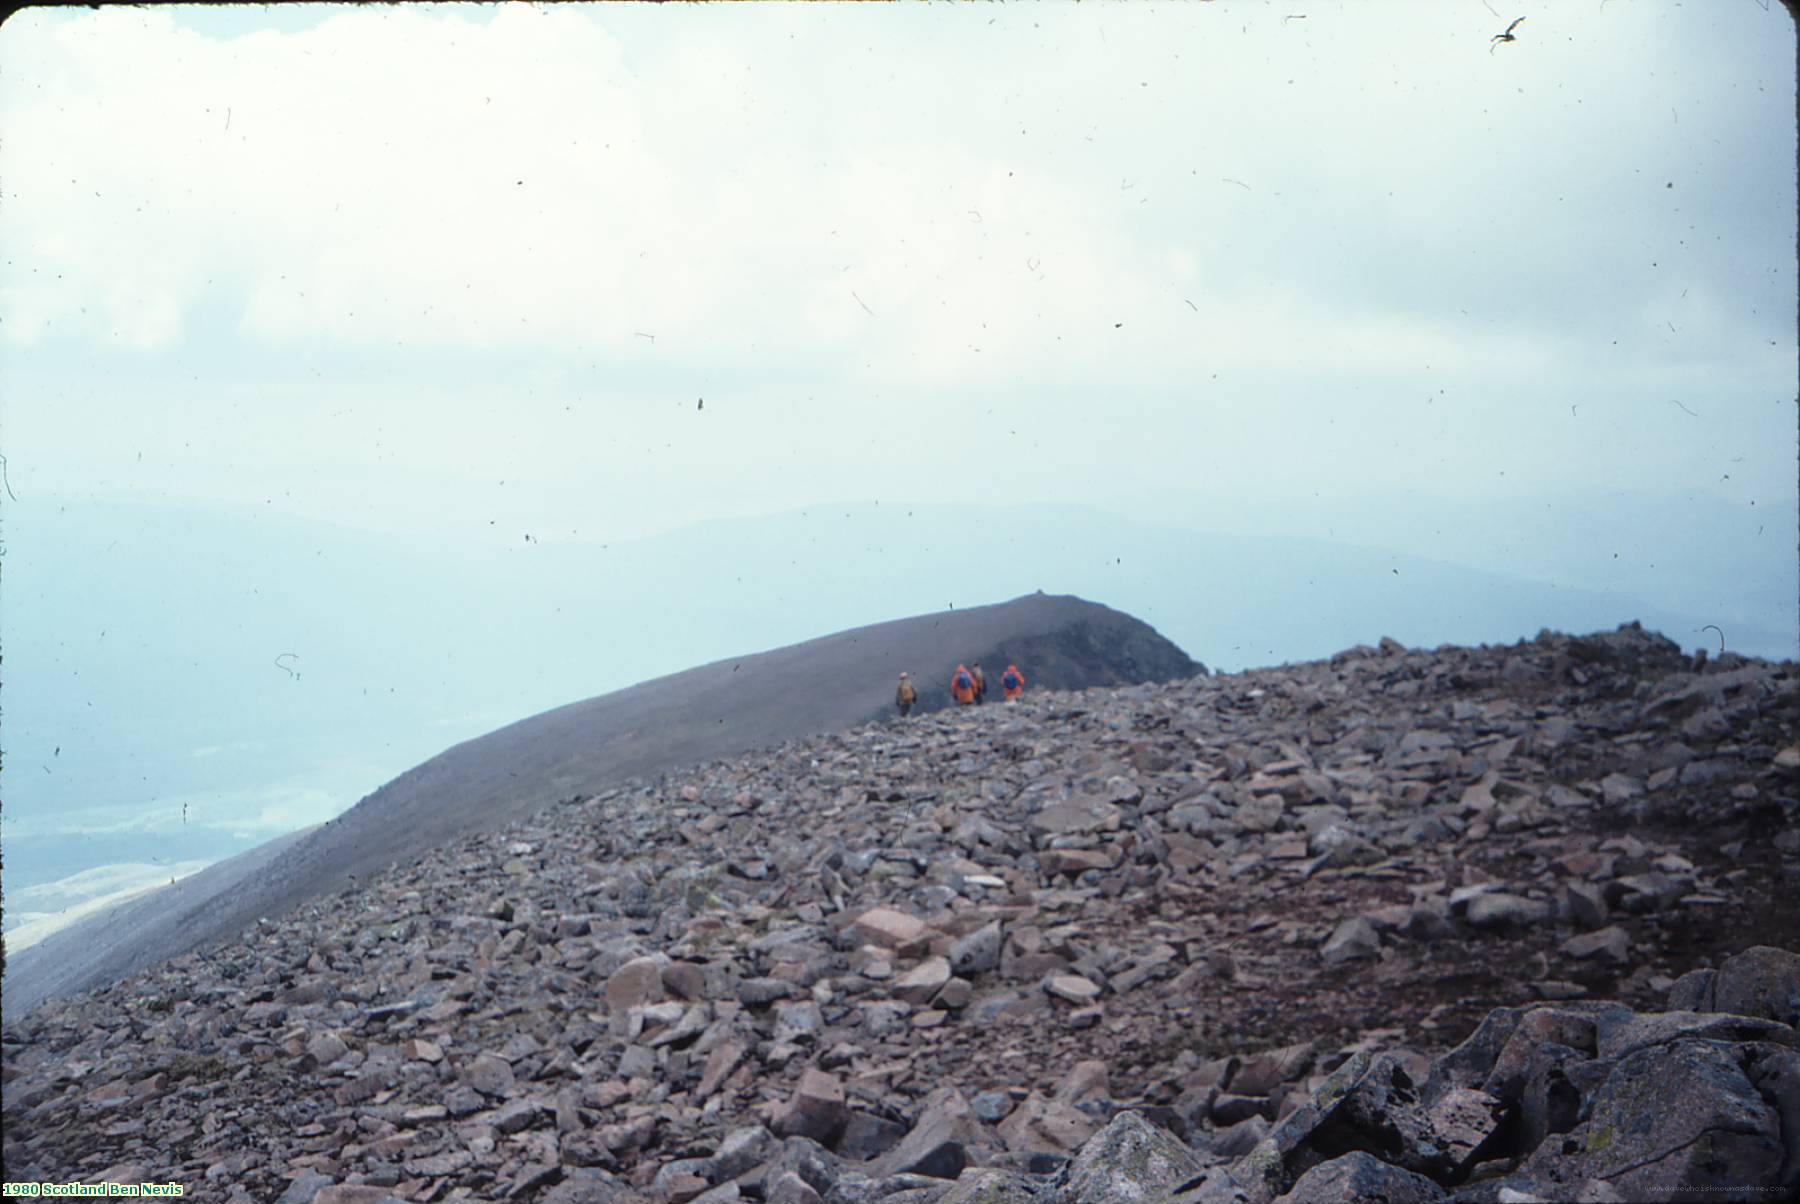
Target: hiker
(962, 686)
(980, 682)
(1012, 683)
(905, 695)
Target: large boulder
(1673, 1121)
(1041, 1125)
(1128, 1161)
(985, 1186)
(1760, 981)
(1471, 1063)
(938, 1145)
(815, 1110)
(1352, 940)
(1360, 1176)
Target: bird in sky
(1508, 36)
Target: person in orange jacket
(962, 686)
(1012, 683)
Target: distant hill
(115, 610)
(718, 710)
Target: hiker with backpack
(905, 695)
(962, 686)
(1012, 683)
(980, 683)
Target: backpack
(1010, 681)
(964, 681)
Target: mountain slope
(114, 610)
(717, 710)
(1244, 908)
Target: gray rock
(891, 929)
(815, 1110)
(1360, 1176)
(760, 992)
(1536, 1027)
(462, 1101)
(1471, 1063)
(1263, 813)
(1555, 1085)
(881, 1019)
(939, 1141)
(978, 952)
(1776, 1076)
(1693, 992)
(1581, 904)
(1608, 944)
(356, 1193)
(1128, 1161)
(1263, 1072)
(326, 1048)
(1615, 1040)
(893, 1189)
(1087, 1080)
(919, 984)
(741, 1149)
(790, 1188)
(1041, 1125)
(1336, 845)
(634, 984)
(988, 1186)
(1428, 920)
(1072, 987)
(521, 1114)
(798, 1023)
(1641, 893)
(589, 1185)
(867, 1136)
(725, 1193)
(1761, 981)
(490, 1074)
(1352, 940)
(1675, 1121)
(1380, 1111)
(1504, 911)
(636, 1061)
(991, 1107)
(812, 1162)
(1237, 1140)
(1565, 797)
(1618, 789)
(681, 1177)
(1077, 817)
(305, 1187)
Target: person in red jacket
(1012, 683)
(962, 686)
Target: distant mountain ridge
(116, 608)
(717, 710)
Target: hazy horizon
(307, 697)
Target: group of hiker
(968, 687)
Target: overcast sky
(468, 270)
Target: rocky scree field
(1501, 923)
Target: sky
(511, 276)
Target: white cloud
(851, 229)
